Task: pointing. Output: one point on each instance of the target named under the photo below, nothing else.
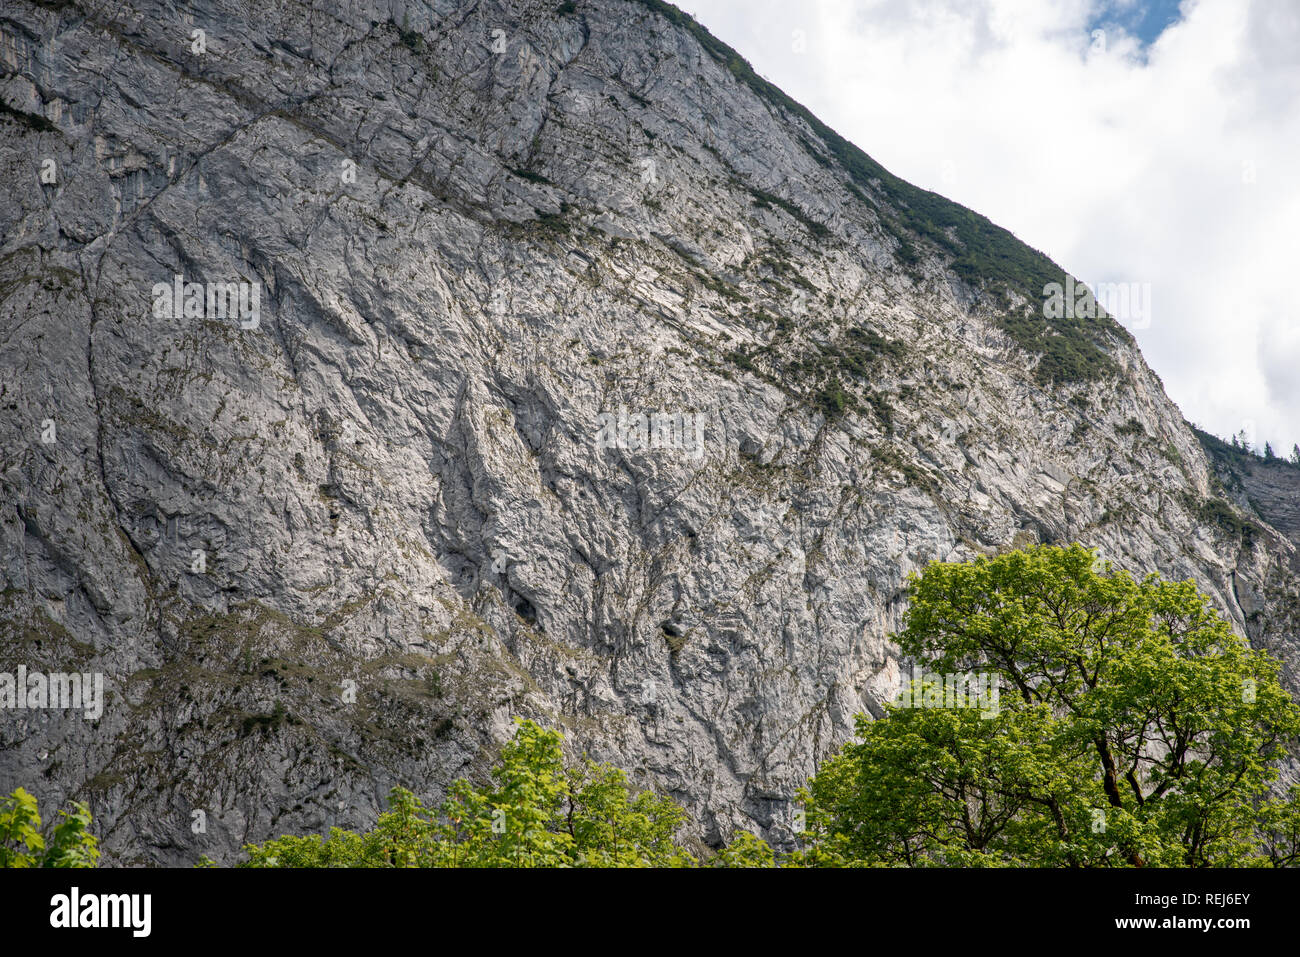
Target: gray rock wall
(337, 549)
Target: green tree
(537, 814)
(745, 850)
(1133, 727)
(22, 843)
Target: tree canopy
(537, 814)
(1133, 728)
(23, 843)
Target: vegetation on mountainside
(837, 376)
(979, 252)
(1232, 456)
(1233, 462)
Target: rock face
(580, 375)
(1266, 489)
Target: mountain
(325, 336)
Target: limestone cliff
(331, 536)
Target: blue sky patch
(1144, 19)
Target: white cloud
(1175, 165)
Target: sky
(1133, 141)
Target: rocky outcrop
(1266, 488)
(578, 374)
